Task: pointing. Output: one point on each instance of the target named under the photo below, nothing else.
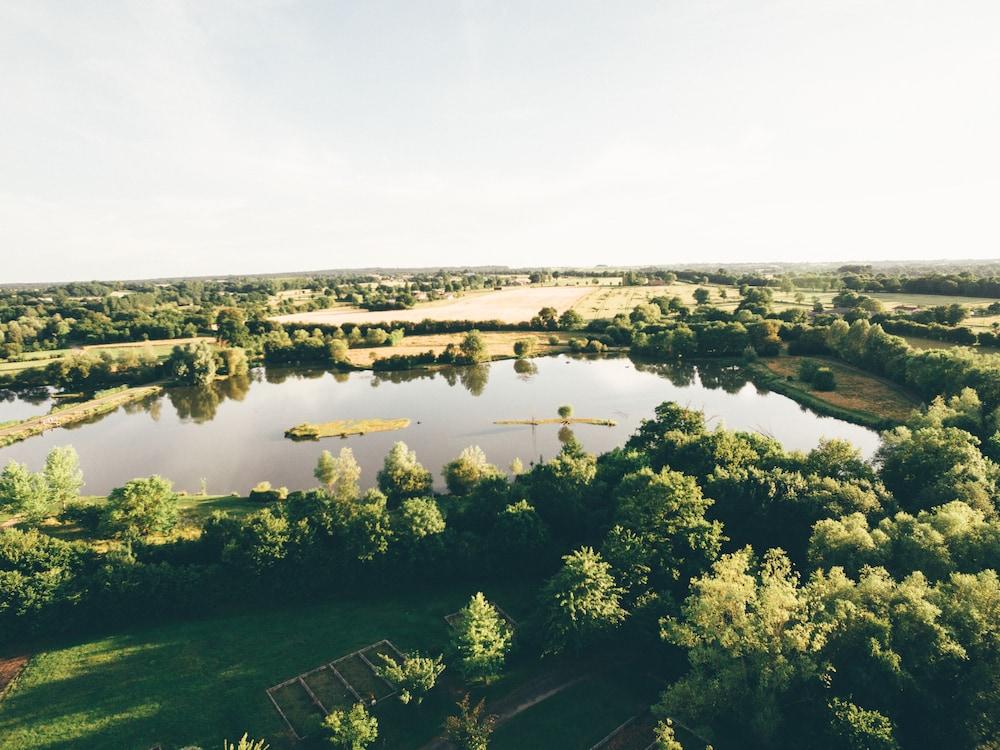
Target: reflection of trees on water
(474, 378)
(525, 369)
(730, 378)
(566, 434)
(33, 396)
(200, 403)
(278, 375)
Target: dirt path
(10, 668)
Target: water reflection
(232, 431)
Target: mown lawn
(195, 683)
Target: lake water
(232, 434)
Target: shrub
(824, 379)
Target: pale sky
(143, 139)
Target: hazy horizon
(152, 140)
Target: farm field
(608, 301)
(200, 681)
(499, 344)
(511, 305)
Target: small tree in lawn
(482, 640)
(524, 348)
(565, 412)
(354, 729)
(582, 601)
(340, 475)
(472, 728)
(473, 347)
(414, 676)
(62, 474)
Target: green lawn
(201, 681)
(579, 716)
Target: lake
(232, 433)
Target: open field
(344, 428)
(499, 344)
(197, 682)
(871, 398)
(608, 301)
(511, 305)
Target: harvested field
(511, 305)
(608, 301)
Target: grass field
(344, 428)
(498, 343)
(199, 682)
(511, 305)
(870, 397)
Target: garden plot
(304, 700)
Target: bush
(824, 379)
(808, 369)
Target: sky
(145, 139)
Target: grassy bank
(859, 397)
(66, 414)
(344, 428)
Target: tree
(419, 518)
(570, 320)
(414, 676)
(193, 364)
(340, 475)
(262, 541)
(62, 474)
(702, 295)
(582, 601)
(245, 743)
(468, 470)
(481, 639)
(141, 507)
(24, 492)
(524, 348)
(402, 475)
(472, 728)
(231, 326)
(565, 412)
(354, 729)
(473, 347)
(665, 738)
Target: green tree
(193, 364)
(402, 475)
(419, 518)
(141, 507)
(524, 348)
(339, 475)
(414, 676)
(354, 729)
(473, 347)
(62, 474)
(582, 602)
(262, 542)
(570, 320)
(469, 469)
(231, 326)
(565, 412)
(472, 728)
(23, 492)
(481, 640)
(702, 295)
(665, 737)
(245, 743)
